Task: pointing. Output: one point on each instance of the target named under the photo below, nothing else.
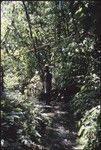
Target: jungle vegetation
(66, 35)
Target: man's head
(46, 68)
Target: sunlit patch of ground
(61, 135)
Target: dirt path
(61, 135)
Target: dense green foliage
(89, 128)
(21, 122)
(63, 35)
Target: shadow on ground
(61, 135)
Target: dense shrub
(88, 129)
(22, 123)
(87, 97)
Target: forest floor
(61, 134)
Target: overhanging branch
(29, 24)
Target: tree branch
(29, 24)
